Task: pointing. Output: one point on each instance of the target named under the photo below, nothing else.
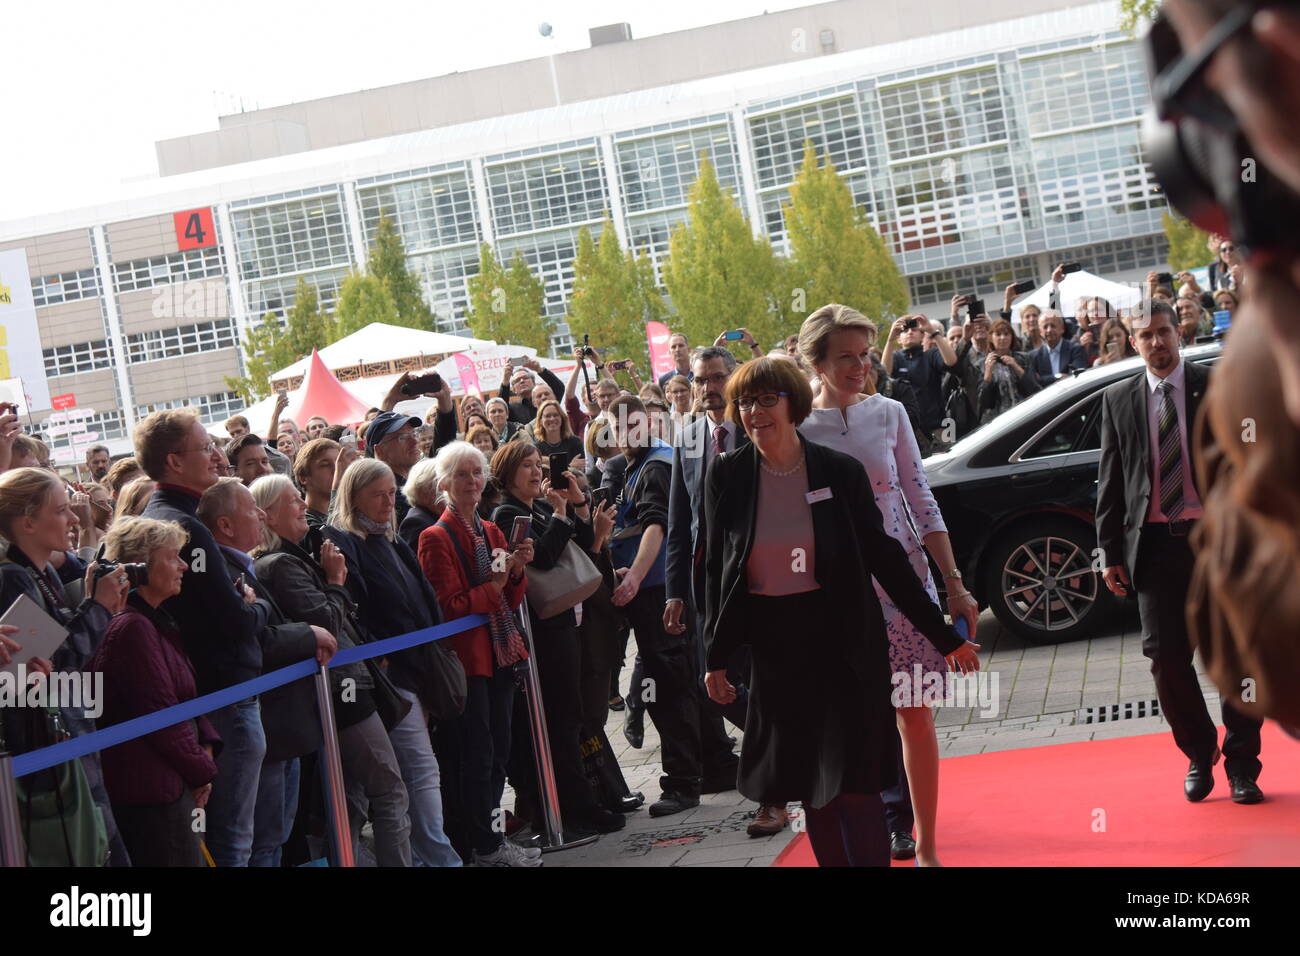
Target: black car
(1018, 496)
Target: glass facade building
(982, 156)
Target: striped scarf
(507, 644)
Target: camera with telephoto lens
(1200, 154)
(136, 574)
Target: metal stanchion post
(12, 852)
(336, 799)
(553, 837)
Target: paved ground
(1041, 691)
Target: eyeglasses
(1180, 88)
(207, 449)
(719, 379)
(767, 400)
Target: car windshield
(1076, 385)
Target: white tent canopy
(379, 342)
(1074, 287)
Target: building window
(277, 296)
(970, 196)
(1094, 175)
(545, 191)
(65, 287)
(659, 171)
(442, 277)
(1124, 255)
(431, 212)
(81, 357)
(211, 408)
(182, 340)
(988, 281)
(292, 237)
(550, 256)
(833, 126)
(956, 111)
(159, 270)
(1084, 87)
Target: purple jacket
(146, 669)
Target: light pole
(546, 31)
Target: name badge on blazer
(821, 494)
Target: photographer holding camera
(905, 355)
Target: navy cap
(383, 425)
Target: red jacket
(146, 669)
(446, 572)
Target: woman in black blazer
(793, 537)
(556, 517)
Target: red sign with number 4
(194, 229)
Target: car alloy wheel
(1048, 583)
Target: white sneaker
(508, 854)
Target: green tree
(719, 274)
(506, 304)
(273, 344)
(836, 254)
(387, 262)
(614, 295)
(363, 299)
(1133, 12)
(1188, 246)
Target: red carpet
(1037, 806)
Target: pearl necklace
(782, 474)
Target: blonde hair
(23, 492)
(539, 433)
(307, 455)
(133, 497)
(160, 435)
(816, 331)
(266, 491)
(135, 539)
(357, 478)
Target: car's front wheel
(1039, 581)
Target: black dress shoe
(1244, 790)
(634, 727)
(616, 703)
(600, 820)
(672, 802)
(901, 846)
(628, 803)
(1199, 781)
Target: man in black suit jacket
(1147, 503)
(1057, 355)
(289, 716)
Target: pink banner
(657, 336)
(468, 375)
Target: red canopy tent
(324, 395)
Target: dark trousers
(484, 730)
(898, 798)
(718, 749)
(674, 706)
(598, 633)
(558, 659)
(160, 835)
(849, 831)
(1164, 568)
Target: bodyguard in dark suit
(1057, 355)
(1147, 503)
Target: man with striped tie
(1147, 504)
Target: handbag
(572, 580)
(61, 825)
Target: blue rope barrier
(139, 726)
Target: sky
(90, 86)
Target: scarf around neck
(507, 643)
